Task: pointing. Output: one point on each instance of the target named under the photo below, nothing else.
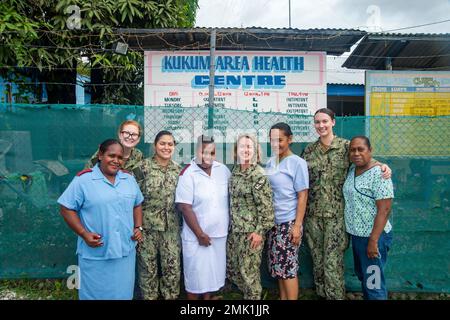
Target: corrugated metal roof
(332, 41)
(345, 84)
(345, 79)
(350, 90)
(406, 52)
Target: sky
(367, 15)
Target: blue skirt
(111, 279)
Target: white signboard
(291, 83)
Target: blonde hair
(257, 156)
(130, 122)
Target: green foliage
(36, 289)
(35, 33)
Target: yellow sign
(409, 103)
(410, 113)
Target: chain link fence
(42, 148)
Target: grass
(56, 289)
(36, 289)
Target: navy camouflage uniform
(252, 210)
(324, 222)
(161, 224)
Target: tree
(46, 42)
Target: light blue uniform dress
(106, 272)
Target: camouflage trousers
(327, 240)
(164, 248)
(243, 265)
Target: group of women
(228, 216)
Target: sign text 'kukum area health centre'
(292, 83)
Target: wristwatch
(140, 228)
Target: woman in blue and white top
(288, 176)
(368, 199)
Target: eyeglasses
(127, 134)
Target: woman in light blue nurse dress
(102, 206)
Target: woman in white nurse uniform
(202, 197)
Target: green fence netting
(42, 147)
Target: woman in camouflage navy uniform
(328, 163)
(129, 134)
(161, 224)
(252, 215)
